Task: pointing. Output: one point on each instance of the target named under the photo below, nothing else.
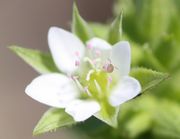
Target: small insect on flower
(108, 67)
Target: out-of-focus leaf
(150, 59)
(100, 30)
(54, 118)
(80, 27)
(148, 78)
(126, 5)
(167, 120)
(138, 124)
(136, 116)
(146, 20)
(153, 20)
(41, 62)
(167, 52)
(115, 30)
(94, 127)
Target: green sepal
(41, 62)
(80, 27)
(148, 78)
(115, 31)
(111, 120)
(53, 119)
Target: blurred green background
(151, 26)
(153, 29)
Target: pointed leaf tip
(53, 119)
(41, 62)
(79, 26)
(148, 78)
(115, 31)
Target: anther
(87, 90)
(108, 68)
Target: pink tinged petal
(126, 89)
(121, 57)
(65, 47)
(55, 90)
(81, 110)
(99, 48)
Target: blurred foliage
(53, 119)
(80, 27)
(153, 29)
(41, 62)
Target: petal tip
(127, 90)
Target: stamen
(86, 59)
(87, 90)
(89, 75)
(75, 78)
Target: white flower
(94, 80)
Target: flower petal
(81, 110)
(99, 48)
(66, 49)
(54, 90)
(127, 89)
(121, 57)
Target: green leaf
(151, 60)
(80, 27)
(138, 124)
(54, 118)
(115, 30)
(41, 62)
(148, 78)
(167, 52)
(146, 20)
(167, 120)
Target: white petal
(66, 49)
(121, 57)
(99, 47)
(55, 90)
(126, 89)
(81, 110)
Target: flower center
(95, 78)
(95, 75)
